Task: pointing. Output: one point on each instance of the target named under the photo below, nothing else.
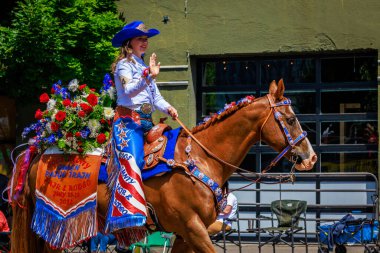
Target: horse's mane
(223, 113)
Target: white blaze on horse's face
(306, 157)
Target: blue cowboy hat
(132, 30)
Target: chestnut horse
(184, 205)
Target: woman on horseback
(137, 98)
(135, 81)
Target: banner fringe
(64, 233)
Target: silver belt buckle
(146, 108)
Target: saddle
(155, 144)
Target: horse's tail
(23, 239)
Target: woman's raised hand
(154, 67)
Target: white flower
(48, 128)
(108, 113)
(73, 85)
(111, 92)
(51, 104)
(94, 126)
(54, 113)
(31, 141)
(75, 144)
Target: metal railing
(329, 195)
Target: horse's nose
(314, 158)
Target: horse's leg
(196, 237)
(23, 239)
(49, 250)
(180, 246)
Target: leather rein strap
(206, 149)
(292, 142)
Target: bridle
(291, 142)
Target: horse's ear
(280, 90)
(273, 88)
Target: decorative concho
(146, 108)
(142, 27)
(210, 182)
(161, 139)
(188, 149)
(223, 204)
(201, 175)
(218, 191)
(149, 160)
(158, 147)
(170, 162)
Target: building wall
(203, 27)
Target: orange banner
(67, 181)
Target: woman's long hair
(125, 53)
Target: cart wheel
(340, 248)
(323, 250)
(371, 249)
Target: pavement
(252, 248)
(313, 248)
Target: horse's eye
(291, 120)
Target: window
(334, 96)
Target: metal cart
(359, 232)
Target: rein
(291, 143)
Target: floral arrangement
(76, 118)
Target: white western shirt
(136, 91)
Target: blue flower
(64, 93)
(85, 132)
(25, 132)
(59, 134)
(107, 82)
(50, 139)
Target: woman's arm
(132, 86)
(227, 210)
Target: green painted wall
(205, 27)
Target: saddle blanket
(172, 136)
(66, 188)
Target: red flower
(32, 149)
(38, 115)
(92, 99)
(86, 108)
(60, 116)
(79, 143)
(52, 91)
(75, 104)
(81, 87)
(54, 126)
(101, 138)
(78, 135)
(66, 102)
(103, 121)
(44, 98)
(81, 114)
(69, 135)
(80, 150)
(93, 89)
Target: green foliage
(52, 40)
